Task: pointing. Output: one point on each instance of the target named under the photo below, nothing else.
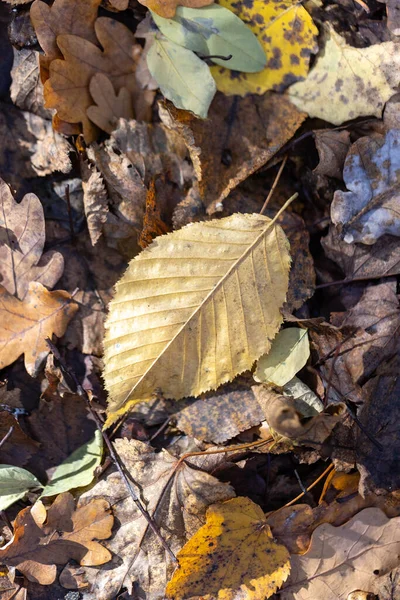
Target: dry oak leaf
(75, 17)
(236, 139)
(194, 309)
(110, 107)
(371, 173)
(153, 225)
(43, 540)
(176, 495)
(347, 558)
(233, 555)
(348, 82)
(167, 8)
(22, 238)
(67, 89)
(288, 36)
(25, 325)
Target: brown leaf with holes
(238, 137)
(43, 540)
(63, 16)
(153, 225)
(67, 89)
(167, 8)
(109, 106)
(22, 238)
(25, 324)
(175, 494)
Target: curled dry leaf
(193, 292)
(25, 325)
(67, 89)
(238, 138)
(356, 81)
(233, 555)
(95, 201)
(347, 558)
(22, 238)
(63, 16)
(109, 106)
(371, 173)
(43, 540)
(176, 495)
(288, 37)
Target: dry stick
(276, 181)
(114, 455)
(5, 438)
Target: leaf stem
(113, 453)
(276, 181)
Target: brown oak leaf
(22, 238)
(43, 540)
(167, 8)
(25, 325)
(109, 106)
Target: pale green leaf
(289, 353)
(78, 469)
(215, 30)
(15, 482)
(182, 76)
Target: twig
(114, 455)
(5, 438)
(276, 181)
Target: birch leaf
(194, 309)
(289, 353)
(182, 76)
(215, 30)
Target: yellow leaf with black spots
(288, 36)
(233, 555)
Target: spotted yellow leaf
(288, 36)
(194, 309)
(232, 556)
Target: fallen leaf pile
(199, 300)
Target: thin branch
(113, 454)
(5, 438)
(276, 181)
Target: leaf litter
(134, 193)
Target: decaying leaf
(348, 82)
(95, 199)
(26, 89)
(176, 497)
(18, 447)
(347, 558)
(109, 106)
(288, 355)
(63, 16)
(25, 325)
(167, 8)
(153, 225)
(182, 76)
(67, 89)
(22, 239)
(193, 293)
(215, 31)
(43, 540)
(288, 36)
(371, 173)
(238, 138)
(220, 417)
(332, 148)
(232, 555)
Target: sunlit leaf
(15, 482)
(289, 353)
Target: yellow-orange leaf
(233, 555)
(167, 8)
(288, 36)
(194, 309)
(25, 325)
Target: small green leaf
(289, 353)
(183, 78)
(78, 469)
(15, 482)
(215, 30)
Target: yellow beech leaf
(348, 82)
(288, 36)
(194, 309)
(233, 555)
